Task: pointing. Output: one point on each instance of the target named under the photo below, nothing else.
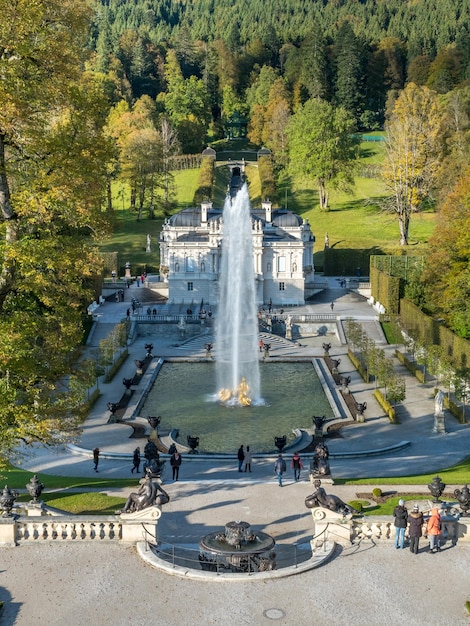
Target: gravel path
(108, 584)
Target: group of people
(175, 460)
(415, 522)
(245, 458)
(280, 467)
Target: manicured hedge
(205, 182)
(266, 175)
(386, 289)
(386, 406)
(411, 367)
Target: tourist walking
(248, 459)
(433, 529)
(400, 514)
(415, 528)
(172, 448)
(240, 457)
(175, 463)
(280, 468)
(332, 305)
(96, 458)
(136, 461)
(297, 465)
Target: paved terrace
(364, 584)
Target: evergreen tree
(349, 79)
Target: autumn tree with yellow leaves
(413, 153)
(52, 177)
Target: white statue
(149, 241)
(439, 403)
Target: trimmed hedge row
(386, 406)
(386, 289)
(266, 176)
(205, 182)
(411, 367)
(360, 368)
(113, 370)
(428, 331)
(457, 411)
(347, 261)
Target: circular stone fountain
(237, 549)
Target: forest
(355, 54)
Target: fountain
(196, 411)
(237, 324)
(237, 549)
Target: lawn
(17, 478)
(89, 503)
(355, 219)
(455, 475)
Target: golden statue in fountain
(241, 393)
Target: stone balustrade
(129, 528)
(330, 526)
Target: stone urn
(35, 487)
(7, 501)
(436, 487)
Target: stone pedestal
(33, 509)
(326, 479)
(439, 423)
(330, 526)
(7, 531)
(141, 525)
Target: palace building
(190, 252)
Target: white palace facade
(190, 255)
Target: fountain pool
(183, 394)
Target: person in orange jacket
(433, 529)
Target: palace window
(281, 263)
(282, 286)
(190, 286)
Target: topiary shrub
(377, 492)
(357, 505)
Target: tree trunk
(8, 216)
(133, 197)
(323, 195)
(141, 201)
(109, 197)
(404, 223)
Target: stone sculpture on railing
(147, 496)
(319, 498)
(153, 467)
(320, 465)
(463, 496)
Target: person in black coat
(415, 528)
(240, 457)
(400, 514)
(175, 463)
(136, 461)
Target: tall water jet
(237, 324)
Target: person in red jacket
(296, 464)
(433, 529)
